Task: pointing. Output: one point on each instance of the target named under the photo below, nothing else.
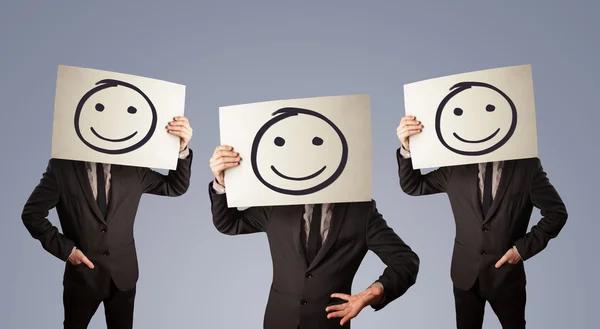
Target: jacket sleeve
(232, 221)
(44, 197)
(414, 183)
(175, 183)
(554, 214)
(402, 263)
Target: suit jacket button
(103, 230)
(483, 253)
(106, 253)
(309, 275)
(303, 302)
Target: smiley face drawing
(105, 125)
(290, 159)
(493, 111)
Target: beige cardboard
(459, 114)
(75, 132)
(298, 157)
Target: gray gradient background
(247, 51)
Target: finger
(411, 128)
(177, 123)
(337, 307)
(409, 133)
(415, 124)
(228, 153)
(341, 296)
(215, 165)
(176, 128)
(226, 160)
(407, 123)
(501, 262)
(221, 167)
(224, 166)
(406, 136)
(87, 262)
(222, 148)
(411, 124)
(337, 314)
(347, 318)
(181, 118)
(179, 127)
(407, 118)
(176, 133)
(180, 134)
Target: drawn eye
(99, 107)
(279, 141)
(131, 109)
(317, 141)
(490, 108)
(458, 111)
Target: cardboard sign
(299, 151)
(115, 118)
(474, 117)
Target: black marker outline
(460, 87)
(284, 113)
(112, 140)
(479, 140)
(317, 173)
(109, 83)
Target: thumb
(375, 290)
(501, 262)
(87, 262)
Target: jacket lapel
(337, 221)
(296, 213)
(507, 172)
(86, 188)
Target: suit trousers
(507, 302)
(81, 302)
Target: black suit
(300, 292)
(481, 241)
(107, 241)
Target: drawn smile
(298, 178)
(113, 140)
(478, 141)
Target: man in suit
(96, 204)
(316, 251)
(492, 205)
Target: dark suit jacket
(107, 242)
(480, 242)
(300, 292)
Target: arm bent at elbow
(44, 197)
